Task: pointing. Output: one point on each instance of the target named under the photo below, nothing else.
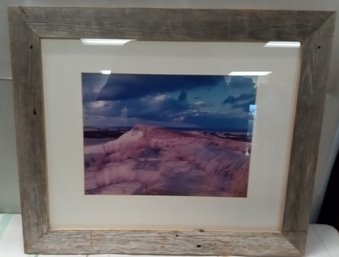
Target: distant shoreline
(115, 132)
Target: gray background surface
(9, 189)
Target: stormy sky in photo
(202, 102)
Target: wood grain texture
(29, 122)
(173, 24)
(30, 24)
(189, 242)
(310, 103)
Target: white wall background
(9, 189)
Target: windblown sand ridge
(149, 160)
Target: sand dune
(150, 160)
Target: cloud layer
(205, 102)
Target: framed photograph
(198, 136)
(151, 134)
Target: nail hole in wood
(198, 246)
(319, 47)
(34, 112)
(176, 235)
(201, 230)
(31, 46)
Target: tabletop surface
(323, 240)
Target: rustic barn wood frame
(28, 25)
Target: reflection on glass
(249, 73)
(105, 72)
(105, 41)
(252, 110)
(283, 44)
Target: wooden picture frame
(28, 25)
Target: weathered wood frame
(28, 25)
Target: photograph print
(167, 135)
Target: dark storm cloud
(244, 105)
(217, 121)
(90, 83)
(129, 86)
(202, 101)
(162, 110)
(244, 97)
(239, 81)
(88, 79)
(182, 96)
